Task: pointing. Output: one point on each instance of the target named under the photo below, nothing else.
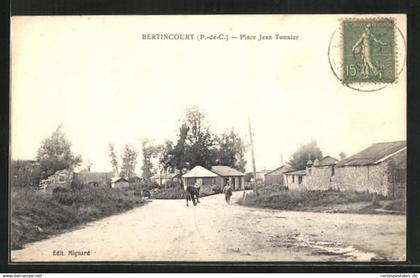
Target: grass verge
(37, 215)
(330, 201)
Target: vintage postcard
(197, 138)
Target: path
(167, 230)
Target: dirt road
(167, 230)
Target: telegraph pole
(252, 155)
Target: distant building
(166, 178)
(260, 175)
(295, 179)
(275, 177)
(380, 168)
(214, 179)
(93, 178)
(119, 182)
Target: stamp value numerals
(368, 51)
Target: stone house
(380, 168)
(61, 178)
(319, 173)
(276, 177)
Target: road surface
(167, 230)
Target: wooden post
(252, 155)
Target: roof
(226, 171)
(116, 179)
(280, 170)
(297, 173)
(199, 172)
(374, 154)
(327, 161)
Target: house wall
(274, 179)
(372, 178)
(293, 183)
(61, 178)
(318, 178)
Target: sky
(104, 84)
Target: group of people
(193, 193)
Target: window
(299, 179)
(332, 170)
(61, 178)
(293, 178)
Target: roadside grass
(275, 197)
(37, 215)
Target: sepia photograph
(208, 138)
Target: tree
(303, 154)
(231, 151)
(149, 152)
(201, 143)
(55, 153)
(113, 157)
(129, 161)
(342, 155)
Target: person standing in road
(197, 187)
(228, 192)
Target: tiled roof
(226, 171)
(374, 154)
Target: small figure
(197, 187)
(228, 192)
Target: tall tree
(303, 154)
(55, 153)
(201, 143)
(129, 161)
(231, 151)
(148, 152)
(114, 160)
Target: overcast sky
(104, 84)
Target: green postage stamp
(368, 50)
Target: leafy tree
(231, 151)
(113, 157)
(55, 153)
(149, 151)
(303, 154)
(342, 155)
(129, 161)
(201, 143)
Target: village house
(380, 168)
(275, 177)
(119, 182)
(319, 173)
(214, 179)
(295, 179)
(235, 178)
